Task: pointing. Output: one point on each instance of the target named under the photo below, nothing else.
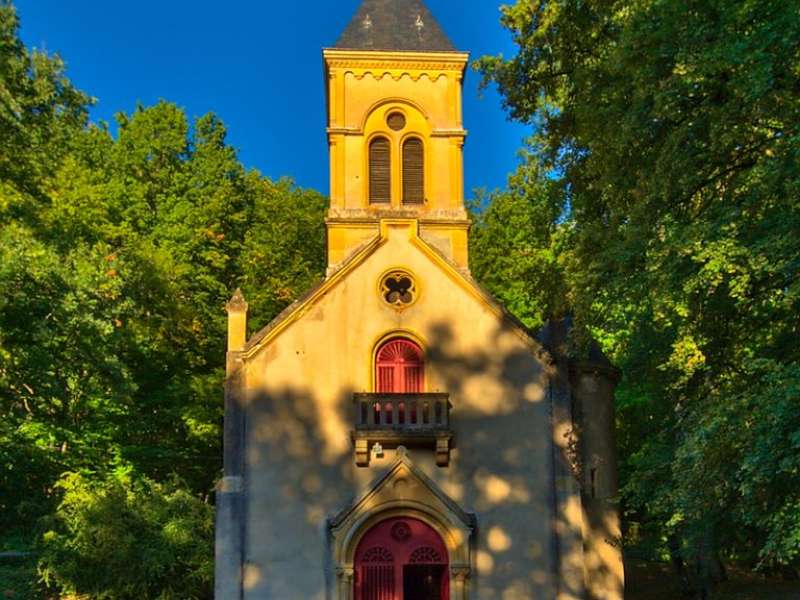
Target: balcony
(402, 419)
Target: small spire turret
(237, 321)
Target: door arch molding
(404, 491)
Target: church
(396, 434)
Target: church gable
(324, 351)
(403, 483)
(404, 246)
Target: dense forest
(657, 202)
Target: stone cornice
(364, 59)
(348, 216)
(397, 64)
(454, 133)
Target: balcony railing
(402, 412)
(395, 419)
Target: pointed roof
(404, 25)
(237, 303)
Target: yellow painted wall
(300, 382)
(365, 87)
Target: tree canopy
(117, 255)
(672, 130)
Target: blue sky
(258, 65)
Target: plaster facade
(500, 480)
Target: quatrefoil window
(398, 289)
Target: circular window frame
(397, 274)
(403, 120)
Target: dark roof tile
(405, 25)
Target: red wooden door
(399, 368)
(401, 559)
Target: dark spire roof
(405, 25)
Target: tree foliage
(514, 246)
(673, 130)
(117, 255)
(125, 537)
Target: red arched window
(399, 368)
(399, 559)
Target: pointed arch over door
(399, 368)
(422, 500)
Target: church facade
(395, 434)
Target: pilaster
(230, 492)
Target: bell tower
(395, 129)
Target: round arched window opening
(400, 369)
(396, 121)
(398, 289)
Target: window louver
(380, 172)
(413, 172)
(400, 368)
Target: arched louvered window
(413, 172)
(400, 368)
(380, 171)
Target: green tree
(514, 246)
(40, 111)
(125, 537)
(117, 255)
(672, 128)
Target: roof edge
(296, 308)
(396, 55)
(460, 276)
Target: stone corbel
(344, 575)
(442, 451)
(362, 452)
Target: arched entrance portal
(401, 559)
